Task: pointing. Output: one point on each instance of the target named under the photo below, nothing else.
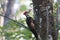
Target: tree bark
(8, 11)
(43, 14)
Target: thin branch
(19, 24)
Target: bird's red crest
(25, 13)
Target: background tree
(7, 11)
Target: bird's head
(27, 12)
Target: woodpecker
(31, 23)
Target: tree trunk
(43, 14)
(8, 12)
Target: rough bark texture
(43, 14)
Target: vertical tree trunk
(43, 13)
(40, 18)
(8, 12)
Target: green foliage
(14, 32)
(55, 5)
(59, 36)
(23, 8)
(59, 26)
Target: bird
(31, 23)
